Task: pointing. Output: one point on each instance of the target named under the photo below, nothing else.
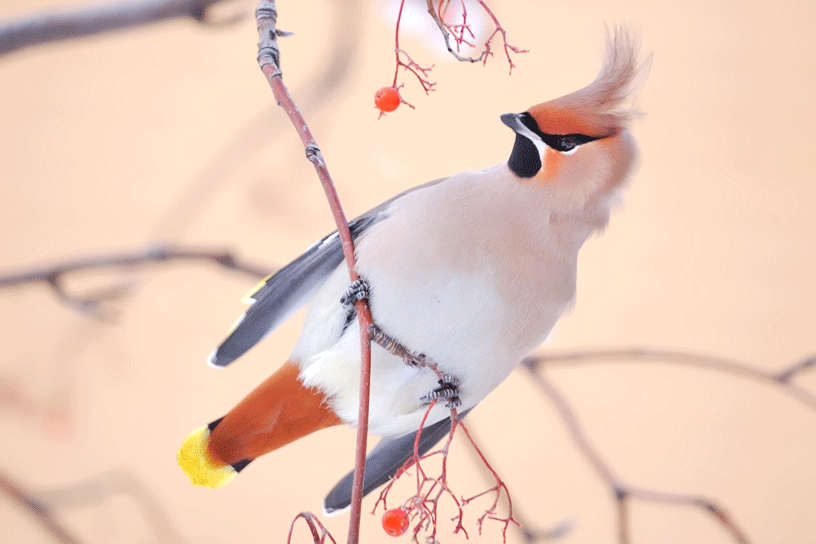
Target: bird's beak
(513, 120)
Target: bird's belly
(470, 329)
(474, 326)
(397, 390)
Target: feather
(384, 461)
(603, 107)
(281, 294)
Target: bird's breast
(473, 288)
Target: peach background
(169, 133)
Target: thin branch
(409, 65)
(318, 93)
(622, 491)
(63, 24)
(269, 61)
(446, 35)
(91, 304)
(319, 532)
(37, 509)
(499, 29)
(460, 31)
(152, 255)
(100, 488)
(781, 379)
(490, 513)
(454, 34)
(522, 524)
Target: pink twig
(499, 30)
(490, 513)
(423, 506)
(460, 33)
(409, 65)
(269, 62)
(319, 532)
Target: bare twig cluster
(462, 34)
(320, 535)
(456, 35)
(422, 507)
(782, 379)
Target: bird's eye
(566, 143)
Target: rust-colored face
(540, 153)
(553, 118)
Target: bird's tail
(277, 412)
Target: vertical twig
(269, 61)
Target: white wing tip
(333, 513)
(211, 360)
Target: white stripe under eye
(533, 137)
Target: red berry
(387, 99)
(395, 522)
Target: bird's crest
(604, 106)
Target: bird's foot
(358, 290)
(448, 391)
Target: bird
(470, 271)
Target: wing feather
(281, 294)
(384, 461)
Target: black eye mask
(559, 142)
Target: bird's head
(578, 145)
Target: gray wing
(281, 294)
(384, 461)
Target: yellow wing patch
(198, 464)
(247, 299)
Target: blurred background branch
(92, 304)
(93, 491)
(53, 24)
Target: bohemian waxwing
(472, 271)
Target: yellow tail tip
(199, 465)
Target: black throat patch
(525, 161)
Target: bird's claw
(358, 290)
(448, 391)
